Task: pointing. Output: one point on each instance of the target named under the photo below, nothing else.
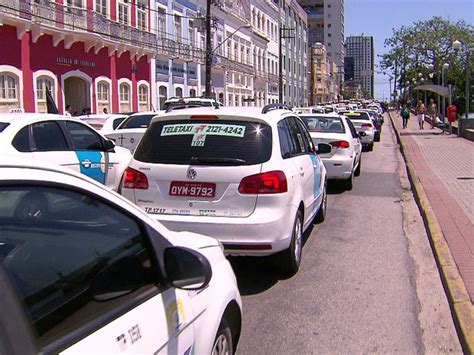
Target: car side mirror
(324, 148)
(362, 134)
(109, 145)
(186, 268)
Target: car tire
(371, 146)
(377, 137)
(223, 342)
(321, 215)
(348, 184)
(357, 170)
(33, 207)
(292, 255)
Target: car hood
(192, 240)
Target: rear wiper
(215, 160)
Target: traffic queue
(115, 228)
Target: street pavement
(368, 281)
(444, 166)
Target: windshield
(137, 121)
(203, 142)
(324, 124)
(3, 125)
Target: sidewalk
(441, 168)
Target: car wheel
(33, 206)
(321, 215)
(223, 342)
(348, 183)
(377, 137)
(292, 255)
(371, 146)
(357, 170)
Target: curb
(460, 303)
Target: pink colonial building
(94, 54)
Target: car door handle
(301, 171)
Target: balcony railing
(56, 16)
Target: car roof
(103, 116)
(145, 113)
(235, 112)
(29, 117)
(329, 114)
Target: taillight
(366, 125)
(134, 179)
(272, 182)
(340, 144)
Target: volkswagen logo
(191, 174)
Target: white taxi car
(131, 130)
(344, 160)
(362, 123)
(249, 178)
(82, 270)
(104, 122)
(64, 141)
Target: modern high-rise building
(361, 48)
(326, 26)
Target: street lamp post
(443, 107)
(457, 45)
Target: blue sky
(378, 17)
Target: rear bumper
(368, 139)
(337, 168)
(265, 232)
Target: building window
(179, 92)
(192, 93)
(161, 22)
(101, 7)
(163, 95)
(74, 7)
(103, 96)
(177, 27)
(43, 83)
(142, 17)
(8, 92)
(125, 97)
(191, 33)
(143, 97)
(123, 12)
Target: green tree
(413, 50)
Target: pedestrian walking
(420, 113)
(452, 113)
(433, 113)
(405, 114)
(68, 111)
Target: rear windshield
(356, 115)
(118, 121)
(324, 124)
(3, 125)
(206, 142)
(141, 121)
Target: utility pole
(283, 34)
(208, 90)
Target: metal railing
(57, 16)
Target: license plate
(192, 189)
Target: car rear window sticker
(201, 131)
